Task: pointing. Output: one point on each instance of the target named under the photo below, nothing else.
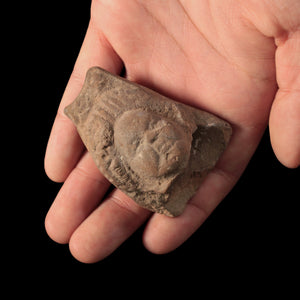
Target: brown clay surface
(154, 149)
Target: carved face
(151, 145)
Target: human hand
(236, 59)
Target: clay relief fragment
(156, 150)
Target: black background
(251, 237)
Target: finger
(285, 113)
(64, 147)
(78, 197)
(107, 228)
(164, 234)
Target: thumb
(285, 113)
(285, 128)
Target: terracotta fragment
(156, 150)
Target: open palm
(225, 57)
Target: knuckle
(127, 204)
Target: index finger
(64, 146)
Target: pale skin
(237, 59)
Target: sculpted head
(150, 144)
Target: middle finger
(79, 196)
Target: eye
(151, 136)
(136, 143)
(160, 124)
